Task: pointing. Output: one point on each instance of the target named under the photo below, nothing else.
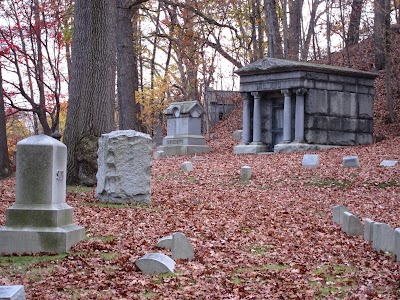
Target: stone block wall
(340, 116)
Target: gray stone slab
(12, 292)
(352, 226)
(187, 166)
(351, 161)
(158, 154)
(387, 239)
(376, 236)
(181, 247)
(155, 263)
(245, 173)
(124, 167)
(165, 242)
(310, 161)
(397, 244)
(338, 212)
(250, 149)
(368, 229)
(388, 163)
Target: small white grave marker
(187, 166)
(165, 242)
(245, 173)
(310, 161)
(158, 154)
(12, 292)
(352, 226)
(368, 229)
(397, 244)
(351, 162)
(387, 239)
(155, 263)
(181, 247)
(388, 163)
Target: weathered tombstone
(387, 239)
(245, 173)
(310, 161)
(12, 292)
(181, 247)
(352, 226)
(184, 129)
(397, 244)
(338, 212)
(158, 134)
(187, 166)
(165, 242)
(237, 135)
(155, 263)
(388, 163)
(124, 167)
(351, 162)
(158, 155)
(376, 236)
(40, 219)
(368, 229)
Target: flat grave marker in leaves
(12, 292)
(155, 263)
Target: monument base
(30, 240)
(250, 149)
(184, 149)
(300, 147)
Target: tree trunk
(274, 37)
(353, 34)
(328, 31)
(128, 109)
(5, 169)
(294, 30)
(92, 86)
(379, 34)
(311, 30)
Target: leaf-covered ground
(269, 238)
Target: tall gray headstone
(368, 229)
(376, 237)
(352, 226)
(12, 292)
(40, 219)
(124, 167)
(338, 212)
(387, 238)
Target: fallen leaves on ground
(271, 237)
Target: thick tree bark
(128, 109)
(5, 169)
(294, 30)
(379, 33)
(92, 86)
(274, 37)
(353, 34)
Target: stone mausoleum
(184, 129)
(297, 106)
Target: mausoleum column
(299, 118)
(256, 118)
(246, 119)
(287, 116)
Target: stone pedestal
(184, 129)
(40, 220)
